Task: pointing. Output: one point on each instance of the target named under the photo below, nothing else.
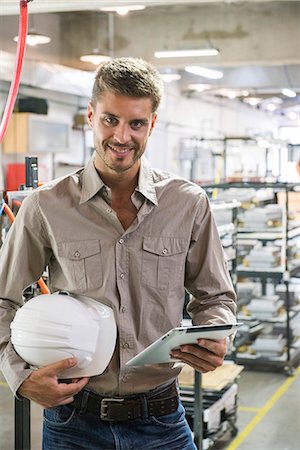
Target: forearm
(24, 255)
(217, 309)
(213, 299)
(14, 369)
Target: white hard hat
(51, 327)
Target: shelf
(274, 361)
(272, 272)
(219, 411)
(225, 205)
(225, 228)
(278, 185)
(267, 235)
(296, 269)
(283, 237)
(278, 319)
(216, 393)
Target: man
(137, 237)
(298, 168)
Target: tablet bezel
(159, 351)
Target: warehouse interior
(230, 122)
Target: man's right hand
(42, 385)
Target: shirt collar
(92, 182)
(146, 182)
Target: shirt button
(123, 309)
(125, 345)
(122, 275)
(165, 251)
(108, 210)
(121, 241)
(77, 254)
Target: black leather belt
(117, 409)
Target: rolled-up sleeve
(207, 277)
(23, 258)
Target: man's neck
(121, 184)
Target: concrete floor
(268, 414)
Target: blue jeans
(64, 429)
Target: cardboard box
(215, 380)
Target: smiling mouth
(122, 151)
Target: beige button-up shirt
(142, 272)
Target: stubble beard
(102, 151)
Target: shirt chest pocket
(163, 262)
(81, 263)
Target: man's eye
(110, 120)
(137, 124)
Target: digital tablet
(159, 351)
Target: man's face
(121, 127)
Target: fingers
(59, 366)
(201, 365)
(67, 401)
(42, 385)
(205, 356)
(71, 389)
(218, 348)
(67, 391)
(61, 394)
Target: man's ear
(90, 114)
(153, 122)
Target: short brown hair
(133, 77)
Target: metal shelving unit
(199, 403)
(213, 417)
(279, 274)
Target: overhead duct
(54, 77)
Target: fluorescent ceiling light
(253, 101)
(199, 87)
(186, 53)
(95, 57)
(229, 93)
(34, 39)
(263, 143)
(271, 107)
(292, 115)
(203, 72)
(289, 93)
(122, 10)
(169, 77)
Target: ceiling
(258, 41)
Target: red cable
(12, 95)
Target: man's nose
(122, 133)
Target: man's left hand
(205, 356)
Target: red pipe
(9, 213)
(12, 95)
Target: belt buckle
(104, 407)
